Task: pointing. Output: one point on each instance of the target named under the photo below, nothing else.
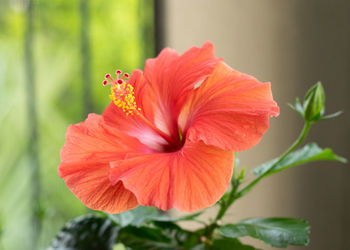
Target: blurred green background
(53, 57)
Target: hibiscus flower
(167, 138)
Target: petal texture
(89, 148)
(94, 140)
(190, 179)
(172, 78)
(90, 183)
(229, 110)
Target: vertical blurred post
(159, 24)
(85, 57)
(32, 124)
(146, 24)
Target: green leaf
(141, 215)
(309, 153)
(187, 239)
(137, 216)
(223, 244)
(297, 107)
(138, 238)
(199, 247)
(184, 218)
(229, 244)
(330, 116)
(241, 175)
(277, 232)
(86, 232)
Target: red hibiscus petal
(229, 110)
(93, 139)
(89, 148)
(190, 179)
(90, 183)
(144, 96)
(172, 78)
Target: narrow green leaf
(330, 116)
(277, 232)
(86, 232)
(189, 217)
(309, 153)
(241, 175)
(174, 219)
(229, 244)
(297, 107)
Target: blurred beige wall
(293, 44)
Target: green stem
(234, 195)
(300, 139)
(223, 207)
(227, 204)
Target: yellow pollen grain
(123, 97)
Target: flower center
(123, 96)
(122, 93)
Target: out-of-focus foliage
(86, 232)
(120, 35)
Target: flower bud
(314, 103)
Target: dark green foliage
(139, 238)
(148, 228)
(277, 232)
(86, 233)
(229, 244)
(95, 232)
